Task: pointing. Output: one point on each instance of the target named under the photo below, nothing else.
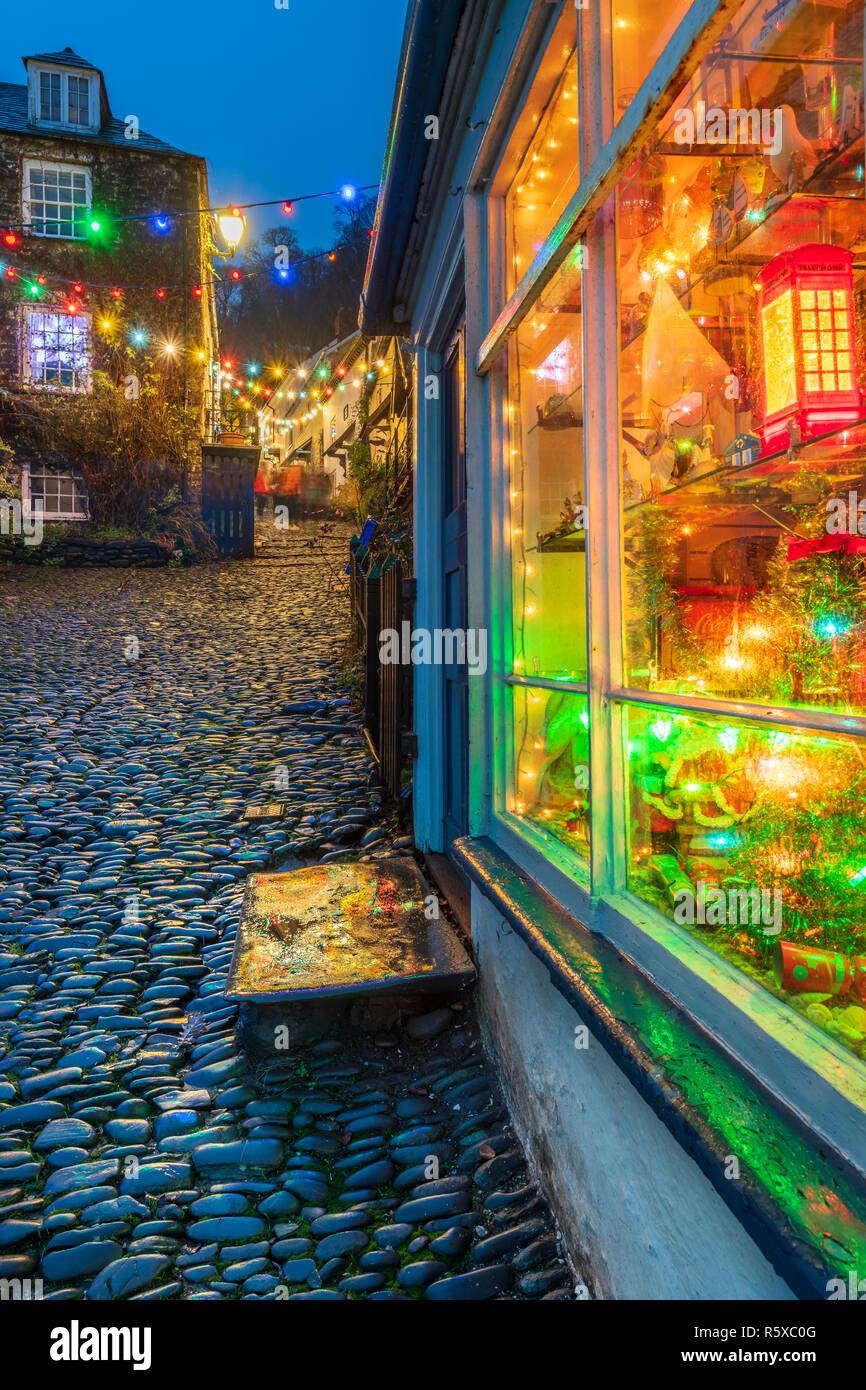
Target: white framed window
(62, 98)
(50, 108)
(56, 198)
(61, 493)
(56, 350)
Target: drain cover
(273, 810)
(343, 929)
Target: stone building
(100, 279)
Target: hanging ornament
(738, 198)
(641, 197)
(721, 223)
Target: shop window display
(742, 250)
(753, 837)
(551, 764)
(741, 255)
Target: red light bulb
(288, 209)
(11, 238)
(11, 272)
(332, 255)
(117, 294)
(160, 294)
(236, 275)
(197, 291)
(77, 289)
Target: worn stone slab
(342, 929)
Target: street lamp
(232, 224)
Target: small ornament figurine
(742, 450)
(721, 223)
(791, 142)
(807, 970)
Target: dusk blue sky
(280, 102)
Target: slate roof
(66, 56)
(14, 114)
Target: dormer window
(64, 98)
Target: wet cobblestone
(141, 1158)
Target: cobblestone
(143, 1156)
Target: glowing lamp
(160, 294)
(10, 238)
(236, 275)
(288, 209)
(196, 289)
(11, 272)
(231, 225)
(78, 289)
(332, 255)
(40, 279)
(810, 377)
(117, 294)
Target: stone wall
(83, 551)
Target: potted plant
(230, 427)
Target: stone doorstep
(402, 958)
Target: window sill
(799, 1200)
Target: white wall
(638, 1215)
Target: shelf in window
(754, 474)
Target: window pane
(538, 172)
(753, 839)
(49, 96)
(548, 512)
(742, 291)
(640, 33)
(550, 785)
(546, 143)
(79, 101)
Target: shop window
(741, 230)
(548, 509)
(550, 784)
(752, 838)
(539, 172)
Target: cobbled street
(143, 1156)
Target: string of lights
(162, 220)
(35, 283)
